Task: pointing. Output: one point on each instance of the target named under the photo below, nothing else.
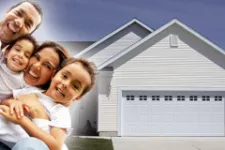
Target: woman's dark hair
(60, 50)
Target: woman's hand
(18, 107)
(5, 111)
(36, 109)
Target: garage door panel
(155, 109)
(191, 118)
(156, 129)
(191, 109)
(130, 129)
(217, 118)
(168, 118)
(204, 118)
(168, 129)
(130, 116)
(143, 109)
(205, 128)
(218, 128)
(144, 119)
(218, 109)
(169, 114)
(180, 109)
(142, 129)
(205, 109)
(156, 119)
(169, 109)
(179, 118)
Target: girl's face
(41, 67)
(18, 56)
(69, 83)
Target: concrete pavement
(168, 143)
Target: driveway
(168, 143)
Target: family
(38, 83)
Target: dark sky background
(90, 20)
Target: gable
(115, 42)
(74, 47)
(173, 26)
(192, 64)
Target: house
(164, 82)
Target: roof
(113, 33)
(74, 47)
(150, 36)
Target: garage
(172, 113)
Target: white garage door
(172, 113)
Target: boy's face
(69, 83)
(18, 56)
(19, 21)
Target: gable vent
(173, 41)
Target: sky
(90, 20)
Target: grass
(76, 143)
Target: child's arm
(54, 140)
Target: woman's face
(41, 67)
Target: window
(143, 97)
(193, 98)
(218, 98)
(180, 98)
(130, 97)
(155, 98)
(205, 98)
(168, 98)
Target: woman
(44, 63)
(42, 66)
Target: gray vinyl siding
(193, 64)
(116, 43)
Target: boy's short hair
(89, 66)
(26, 37)
(35, 5)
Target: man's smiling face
(19, 21)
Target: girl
(14, 62)
(76, 78)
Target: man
(21, 19)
